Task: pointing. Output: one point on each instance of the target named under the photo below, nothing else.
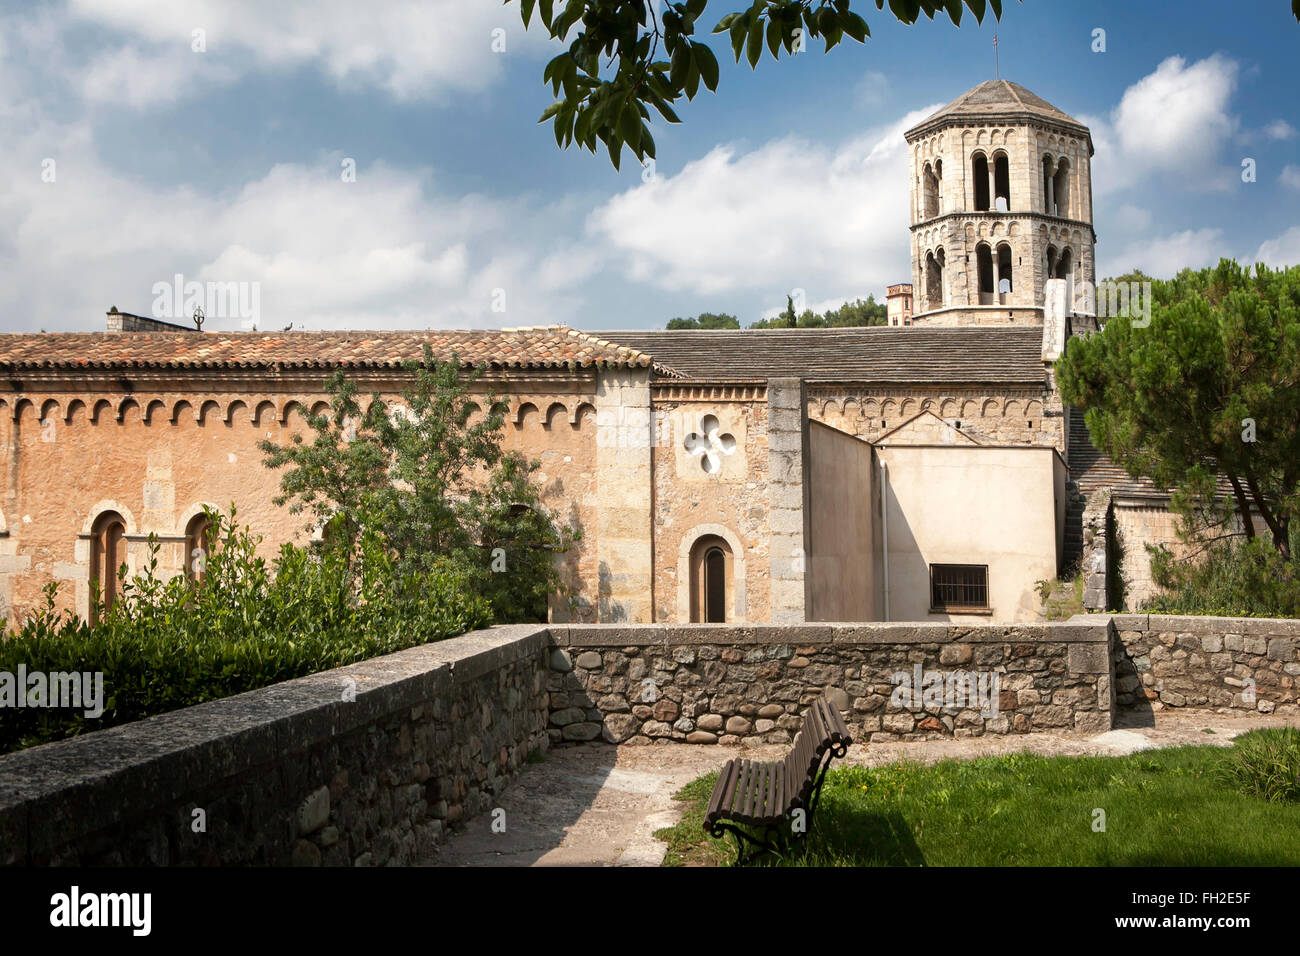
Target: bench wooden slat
(747, 804)
(720, 800)
(765, 793)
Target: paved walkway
(599, 805)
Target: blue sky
(131, 158)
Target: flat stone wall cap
(1094, 619)
(1250, 626)
(888, 632)
(1072, 633)
(1130, 622)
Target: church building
(925, 470)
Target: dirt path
(599, 805)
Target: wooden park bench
(775, 796)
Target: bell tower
(1001, 201)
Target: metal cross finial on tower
(996, 73)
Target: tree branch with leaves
(625, 57)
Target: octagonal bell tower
(1001, 190)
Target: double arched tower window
(934, 294)
(1056, 186)
(992, 182)
(996, 279)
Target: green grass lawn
(1162, 808)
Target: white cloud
(1175, 120)
(388, 251)
(1279, 129)
(1290, 176)
(1284, 250)
(1130, 219)
(788, 214)
(412, 49)
(1166, 256)
(130, 77)
(872, 89)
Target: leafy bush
(1266, 764)
(435, 478)
(1248, 579)
(172, 643)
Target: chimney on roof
(126, 322)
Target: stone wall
(1094, 562)
(787, 499)
(710, 477)
(1239, 664)
(365, 764)
(1010, 414)
(160, 452)
(748, 685)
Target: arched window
(1051, 262)
(107, 555)
(198, 546)
(980, 178)
(1005, 287)
(1048, 182)
(712, 581)
(930, 189)
(984, 266)
(1064, 265)
(1001, 183)
(934, 280)
(1061, 188)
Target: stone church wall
(156, 455)
(1010, 416)
(711, 478)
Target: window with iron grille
(956, 587)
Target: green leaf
(708, 64)
(629, 125)
(905, 10)
(854, 26)
(692, 81)
(774, 38)
(954, 9)
(738, 32)
(526, 10)
(681, 65)
(755, 49)
(615, 148)
(977, 8)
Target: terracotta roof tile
(553, 346)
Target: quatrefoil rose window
(710, 443)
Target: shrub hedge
(167, 644)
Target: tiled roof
(891, 354)
(997, 98)
(539, 347)
(1092, 469)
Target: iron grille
(959, 586)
